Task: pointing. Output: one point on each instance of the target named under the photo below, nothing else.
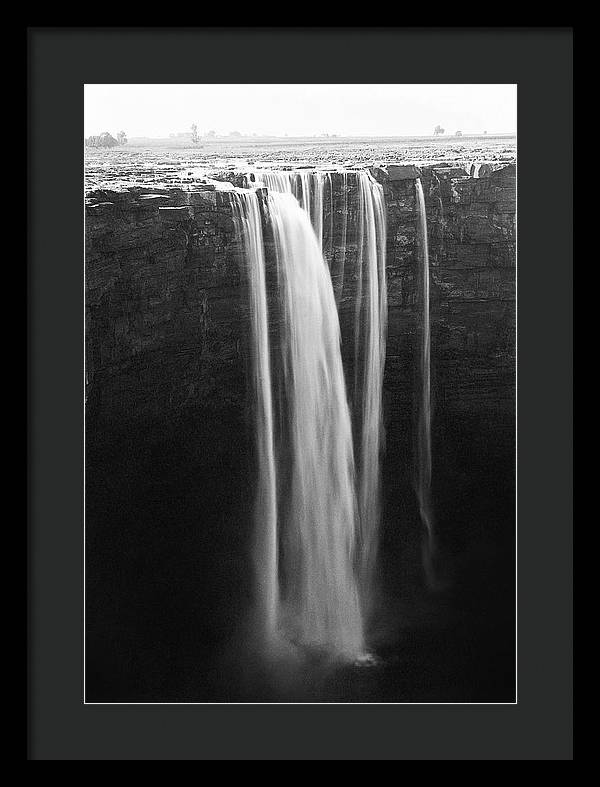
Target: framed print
(290, 397)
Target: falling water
(424, 415)
(339, 256)
(247, 216)
(370, 342)
(321, 598)
(307, 186)
(320, 517)
(370, 326)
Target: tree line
(106, 140)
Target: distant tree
(104, 140)
(194, 133)
(485, 132)
(234, 134)
(458, 134)
(122, 138)
(438, 130)
(211, 134)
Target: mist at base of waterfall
(183, 629)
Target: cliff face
(472, 250)
(162, 297)
(169, 467)
(166, 301)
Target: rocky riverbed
(131, 166)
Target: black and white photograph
(300, 393)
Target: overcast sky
(300, 110)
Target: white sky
(300, 110)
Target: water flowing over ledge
(247, 215)
(424, 461)
(318, 591)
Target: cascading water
(307, 186)
(321, 598)
(339, 259)
(370, 343)
(247, 216)
(424, 413)
(319, 536)
(370, 327)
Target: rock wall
(162, 304)
(166, 303)
(472, 252)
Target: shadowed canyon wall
(169, 466)
(165, 302)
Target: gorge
(183, 335)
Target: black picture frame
(60, 62)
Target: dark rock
(171, 213)
(396, 172)
(450, 172)
(166, 301)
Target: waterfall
(247, 216)
(321, 598)
(339, 258)
(319, 517)
(370, 343)
(424, 411)
(370, 326)
(307, 186)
